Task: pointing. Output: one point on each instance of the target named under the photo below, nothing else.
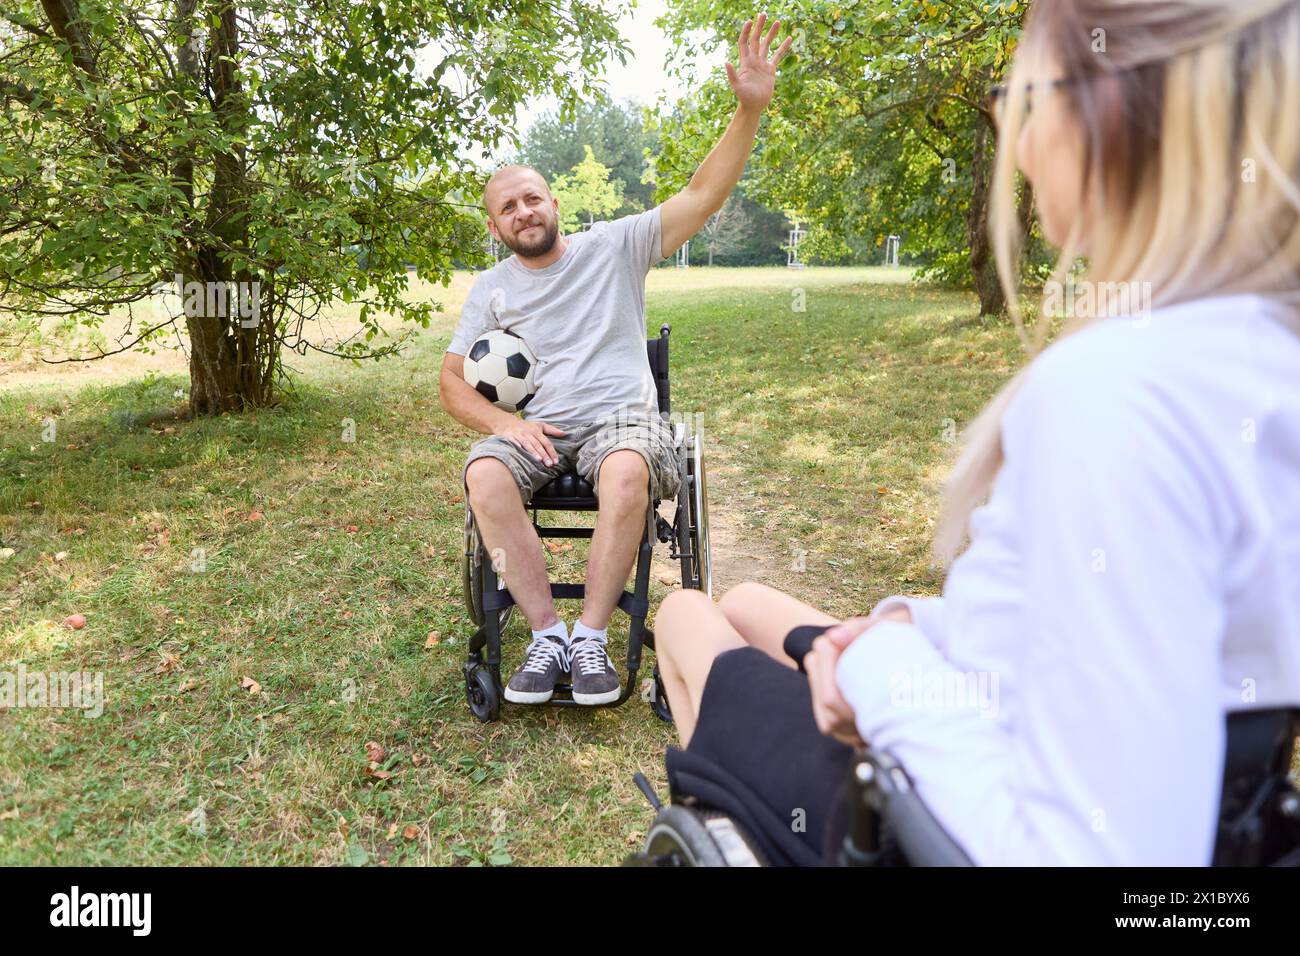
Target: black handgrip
(799, 641)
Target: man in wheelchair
(578, 301)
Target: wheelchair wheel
(693, 521)
(482, 693)
(681, 836)
(659, 699)
(470, 581)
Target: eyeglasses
(995, 101)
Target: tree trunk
(231, 366)
(214, 376)
(983, 265)
(1025, 211)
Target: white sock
(581, 631)
(558, 629)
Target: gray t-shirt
(584, 318)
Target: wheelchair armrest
(887, 811)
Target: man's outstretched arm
(752, 81)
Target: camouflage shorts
(583, 448)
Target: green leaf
(357, 855)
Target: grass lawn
(324, 565)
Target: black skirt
(758, 756)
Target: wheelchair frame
(888, 824)
(490, 603)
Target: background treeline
(624, 139)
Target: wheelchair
(881, 821)
(489, 602)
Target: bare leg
(624, 495)
(690, 632)
(763, 616)
(510, 540)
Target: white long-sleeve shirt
(1134, 576)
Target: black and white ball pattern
(501, 365)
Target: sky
(643, 76)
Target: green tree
(879, 126)
(616, 133)
(274, 144)
(587, 190)
(726, 228)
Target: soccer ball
(500, 365)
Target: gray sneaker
(594, 679)
(546, 663)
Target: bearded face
(523, 212)
(535, 235)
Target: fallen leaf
(75, 621)
(60, 556)
(392, 831)
(169, 663)
(352, 529)
(253, 516)
(431, 640)
(375, 751)
(187, 686)
(409, 832)
(417, 759)
(252, 686)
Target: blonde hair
(1177, 102)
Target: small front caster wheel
(659, 700)
(482, 693)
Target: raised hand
(754, 76)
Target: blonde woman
(1126, 510)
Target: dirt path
(739, 553)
